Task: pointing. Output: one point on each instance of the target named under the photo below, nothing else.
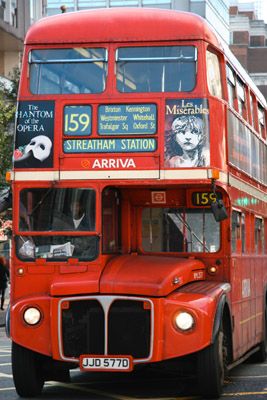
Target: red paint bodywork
(135, 273)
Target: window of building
(156, 69)
(60, 71)
(53, 6)
(214, 74)
(230, 85)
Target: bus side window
(259, 235)
(241, 98)
(214, 74)
(111, 221)
(262, 121)
(252, 110)
(230, 85)
(243, 233)
(236, 231)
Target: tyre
(211, 368)
(27, 371)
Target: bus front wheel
(27, 371)
(211, 368)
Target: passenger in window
(187, 145)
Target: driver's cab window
(179, 230)
(67, 215)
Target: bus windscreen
(57, 210)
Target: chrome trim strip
(70, 61)
(105, 302)
(181, 58)
(226, 287)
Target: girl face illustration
(188, 132)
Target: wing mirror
(218, 210)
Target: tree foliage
(7, 123)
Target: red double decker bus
(139, 200)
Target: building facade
(17, 15)
(243, 30)
(214, 11)
(248, 41)
(15, 18)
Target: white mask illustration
(40, 146)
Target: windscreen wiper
(40, 202)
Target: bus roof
(129, 25)
(120, 25)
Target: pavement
(3, 316)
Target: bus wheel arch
(212, 361)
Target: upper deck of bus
(140, 152)
(120, 25)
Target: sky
(264, 11)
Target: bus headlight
(184, 321)
(32, 316)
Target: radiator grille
(127, 330)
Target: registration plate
(104, 363)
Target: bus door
(111, 221)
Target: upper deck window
(261, 117)
(62, 71)
(230, 85)
(252, 110)
(241, 98)
(214, 74)
(156, 69)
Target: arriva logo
(114, 163)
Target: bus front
(117, 258)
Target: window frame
(186, 238)
(211, 51)
(36, 77)
(149, 82)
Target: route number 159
(77, 120)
